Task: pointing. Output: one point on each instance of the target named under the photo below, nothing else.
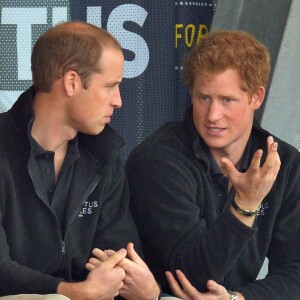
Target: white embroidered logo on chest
(87, 208)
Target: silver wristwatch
(233, 295)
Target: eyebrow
(114, 82)
(223, 96)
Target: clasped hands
(133, 279)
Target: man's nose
(215, 111)
(116, 99)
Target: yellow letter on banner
(189, 27)
(177, 35)
(203, 30)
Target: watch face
(233, 295)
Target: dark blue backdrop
(154, 35)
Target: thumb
(213, 286)
(132, 254)
(216, 289)
(115, 259)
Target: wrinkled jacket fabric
(174, 205)
(34, 256)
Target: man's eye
(228, 100)
(204, 98)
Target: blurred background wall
(276, 23)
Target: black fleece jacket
(34, 256)
(174, 205)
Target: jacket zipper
(63, 243)
(63, 248)
(85, 196)
(59, 231)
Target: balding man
(63, 190)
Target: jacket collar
(22, 111)
(103, 147)
(194, 139)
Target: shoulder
(166, 140)
(104, 148)
(8, 132)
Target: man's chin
(213, 144)
(94, 131)
(100, 130)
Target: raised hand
(188, 292)
(252, 186)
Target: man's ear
(258, 97)
(72, 82)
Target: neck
(233, 152)
(235, 157)
(50, 128)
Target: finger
(109, 252)
(190, 290)
(132, 254)
(272, 158)
(255, 162)
(229, 168)
(115, 259)
(95, 261)
(272, 163)
(272, 146)
(214, 287)
(270, 141)
(271, 166)
(127, 265)
(277, 166)
(89, 267)
(100, 254)
(175, 287)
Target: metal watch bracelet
(233, 295)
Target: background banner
(154, 35)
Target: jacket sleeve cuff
(237, 226)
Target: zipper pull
(63, 247)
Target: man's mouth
(215, 129)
